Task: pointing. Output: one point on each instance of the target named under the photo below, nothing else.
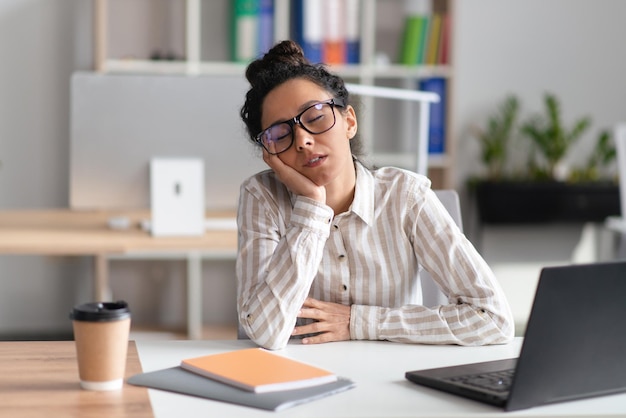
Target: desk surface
(377, 368)
(40, 379)
(68, 232)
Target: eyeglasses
(315, 119)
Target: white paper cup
(101, 334)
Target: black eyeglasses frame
(335, 102)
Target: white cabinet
(193, 37)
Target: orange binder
(258, 370)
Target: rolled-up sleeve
(277, 261)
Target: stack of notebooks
(251, 377)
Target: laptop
(574, 346)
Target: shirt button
(336, 226)
(344, 287)
(342, 256)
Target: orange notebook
(258, 370)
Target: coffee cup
(101, 332)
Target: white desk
(377, 368)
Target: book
(334, 36)
(258, 370)
(445, 41)
(353, 31)
(415, 37)
(178, 380)
(308, 28)
(434, 37)
(266, 26)
(409, 49)
(423, 39)
(437, 119)
(245, 30)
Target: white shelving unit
(199, 54)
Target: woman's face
(323, 158)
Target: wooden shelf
(408, 161)
(138, 66)
(193, 13)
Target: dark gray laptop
(574, 346)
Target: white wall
(573, 48)
(41, 42)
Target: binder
(266, 26)
(410, 47)
(178, 380)
(353, 31)
(308, 30)
(334, 45)
(245, 30)
(437, 126)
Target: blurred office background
(573, 48)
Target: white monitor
(120, 122)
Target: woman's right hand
(295, 181)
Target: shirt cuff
(364, 321)
(311, 214)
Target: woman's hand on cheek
(296, 182)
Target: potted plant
(496, 137)
(545, 190)
(603, 154)
(551, 138)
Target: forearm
(268, 308)
(477, 311)
(461, 324)
(275, 272)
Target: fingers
(271, 160)
(309, 303)
(325, 337)
(332, 321)
(321, 332)
(313, 313)
(282, 170)
(295, 181)
(318, 307)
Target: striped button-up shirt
(368, 258)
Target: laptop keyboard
(499, 381)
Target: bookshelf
(193, 37)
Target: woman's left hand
(332, 321)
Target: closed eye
(314, 119)
(280, 138)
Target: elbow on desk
(497, 329)
(477, 326)
(264, 337)
(270, 344)
(505, 322)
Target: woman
(324, 240)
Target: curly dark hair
(286, 61)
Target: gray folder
(178, 380)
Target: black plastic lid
(100, 311)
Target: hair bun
(282, 55)
(287, 52)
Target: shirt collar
(363, 203)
